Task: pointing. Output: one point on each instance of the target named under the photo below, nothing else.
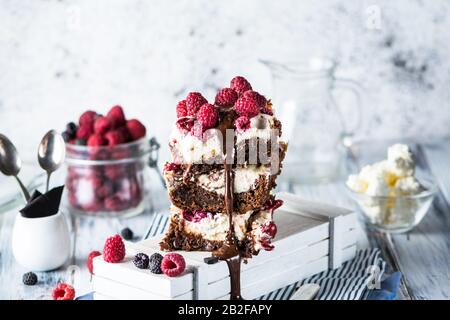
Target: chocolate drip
(229, 249)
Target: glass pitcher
(312, 122)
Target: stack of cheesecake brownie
(226, 157)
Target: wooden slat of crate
(124, 292)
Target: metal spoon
(10, 163)
(51, 153)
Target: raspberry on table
(141, 261)
(96, 140)
(242, 123)
(29, 279)
(181, 109)
(173, 264)
(117, 116)
(114, 249)
(136, 129)
(226, 97)
(89, 263)
(127, 233)
(259, 98)
(87, 118)
(247, 107)
(84, 132)
(194, 101)
(155, 263)
(240, 85)
(63, 291)
(207, 116)
(102, 125)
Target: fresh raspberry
(114, 138)
(123, 131)
(181, 109)
(136, 129)
(194, 101)
(89, 263)
(96, 140)
(63, 291)
(102, 125)
(170, 166)
(84, 132)
(115, 171)
(240, 85)
(185, 124)
(259, 98)
(141, 261)
(117, 116)
(226, 97)
(207, 116)
(173, 264)
(247, 107)
(114, 203)
(114, 249)
(104, 191)
(197, 130)
(242, 123)
(87, 118)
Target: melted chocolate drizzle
(229, 249)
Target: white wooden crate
(311, 238)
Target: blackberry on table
(155, 263)
(141, 261)
(29, 279)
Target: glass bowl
(108, 181)
(396, 214)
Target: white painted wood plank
(124, 292)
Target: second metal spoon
(51, 153)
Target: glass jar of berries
(109, 181)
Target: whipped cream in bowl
(392, 195)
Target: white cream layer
(260, 127)
(189, 149)
(245, 179)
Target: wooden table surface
(422, 255)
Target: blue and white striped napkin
(349, 282)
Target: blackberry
(155, 263)
(80, 142)
(211, 260)
(141, 261)
(127, 233)
(29, 279)
(71, 128)
(66, 136)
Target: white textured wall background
(58, 58)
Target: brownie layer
(188, 190)
(181, 235)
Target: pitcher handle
(357, 90)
